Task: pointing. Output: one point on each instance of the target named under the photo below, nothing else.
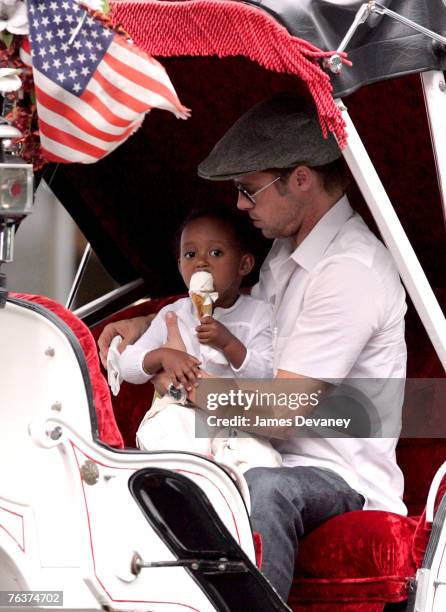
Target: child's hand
(192, 395)
(181, 368)
(218, 336)
(215, 334)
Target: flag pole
(79, 275)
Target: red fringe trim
(106, 21)
(229, 28)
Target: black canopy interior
(129, 204)
(381, 48)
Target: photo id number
(31, 598)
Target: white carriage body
(59, 533)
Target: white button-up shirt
(338, 312)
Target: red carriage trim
(258, 547)
(228, 28)
(107, 428)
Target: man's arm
(129, 329)
(307, 386)
(264, 418)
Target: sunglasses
(251, 196)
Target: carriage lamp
(16, 196)
(16, 191)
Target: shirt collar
(311, 250)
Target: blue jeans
(286, 504)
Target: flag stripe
(54, 119)
(131, 55)
(94, 115)
(68, 114)
(138, 95)
(120, 94)
(25, 45)
(54, 158)
(132, 48)
(54, 151)
(139, 78)
(25, 52)
(90, 97)
(65, 154)
(66, 139)
(107, 106)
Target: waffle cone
(201, 308)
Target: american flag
(93, 87)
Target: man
(338, 313)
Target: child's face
(209, 244)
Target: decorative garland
(19, 106)
(16, 83)
(16, 79)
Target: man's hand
(129, 329)
(180, 367)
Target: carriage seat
(355, 562)
(359, 561)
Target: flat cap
(279, 132)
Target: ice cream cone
(202, 308)
(202, 294)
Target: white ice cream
(202, 284)
(201, 281)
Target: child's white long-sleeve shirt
(248, 319)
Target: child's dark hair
(239, 223)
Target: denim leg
(286, 504)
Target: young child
(235, 341)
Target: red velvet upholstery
(423, 530)
(361, 560)
(133, 401)
(107, 427)
(356, 556)
(355, 562)
(384, 551)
